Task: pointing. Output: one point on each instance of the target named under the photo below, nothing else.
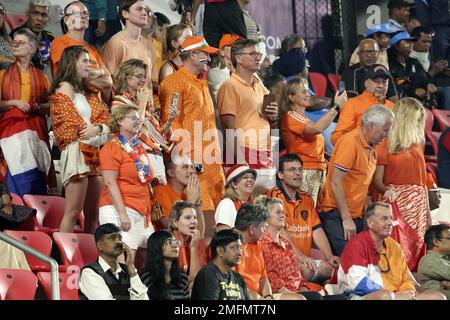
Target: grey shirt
(433, 269)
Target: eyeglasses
(43, 15)
(253, 54)
(139, 76)
(370, 52)
(171, 242)
(294, 170)
(79, 14)
(19, 43)
(236, 248)
(384, 265)
(133, 118)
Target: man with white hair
(352, 165)
(38, 16)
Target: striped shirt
(174, 291)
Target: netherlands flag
(25, 147)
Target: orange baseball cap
(228, 40)
(198, 43)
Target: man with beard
(217, 281)
(373, 266)
(352, 165)
(106, 278)
(38, 16)
(376, 84)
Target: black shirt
(354, 78)
(212, 284)
(174, 291)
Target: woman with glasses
(6, 54)
(302, 136)
(189, 232)
(238, 190)
(127, 173)
(23, 128)
(74, 24)
(161, 273)
(79, 120)
(129, 82)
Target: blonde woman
(401, 173)
(302, 136)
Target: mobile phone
(268, 99)
(341, 87)
(175, 97)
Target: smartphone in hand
(268, 99)
(175, 97)
(341, 87)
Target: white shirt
(82, 105)
(423, 57)
(216, 77)
(94, 287)
(226, 213)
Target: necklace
(137, 153)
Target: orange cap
(198, 43)
(228, 40)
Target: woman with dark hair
(6, 55)
(79, 120)
(74, 24)
(161, 274)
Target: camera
(198, 168)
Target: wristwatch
(336, 107)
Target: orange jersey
(252, 267)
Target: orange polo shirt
(135, 194)
(353, 155)
(166, 196)
(310, 148)
(63, 42)
(352, 112)
(195, 131)
(301, 216)
(235, 97)
(252, 267)
(406, 167)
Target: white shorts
(138, 234)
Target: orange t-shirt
(301, 217)
(195, 131)
(252, 267)
(310, 148)
(184, 257)
(166, 196)
(135, 194)
(406, 167)
(62, 42)
(235, 97)
(352, 112)
(353, 155)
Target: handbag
(413, 246)
(434, 199)
(19, 215)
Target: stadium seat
(15, 20)
(68, 284)
(334, 80)
(37, 240)
(319, 83)
(76, 248)
(443, 118)
(431, 136)
(50, 211)
(16, 284)
(16, 199)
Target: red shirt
(281, 262)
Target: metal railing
(52, 262)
